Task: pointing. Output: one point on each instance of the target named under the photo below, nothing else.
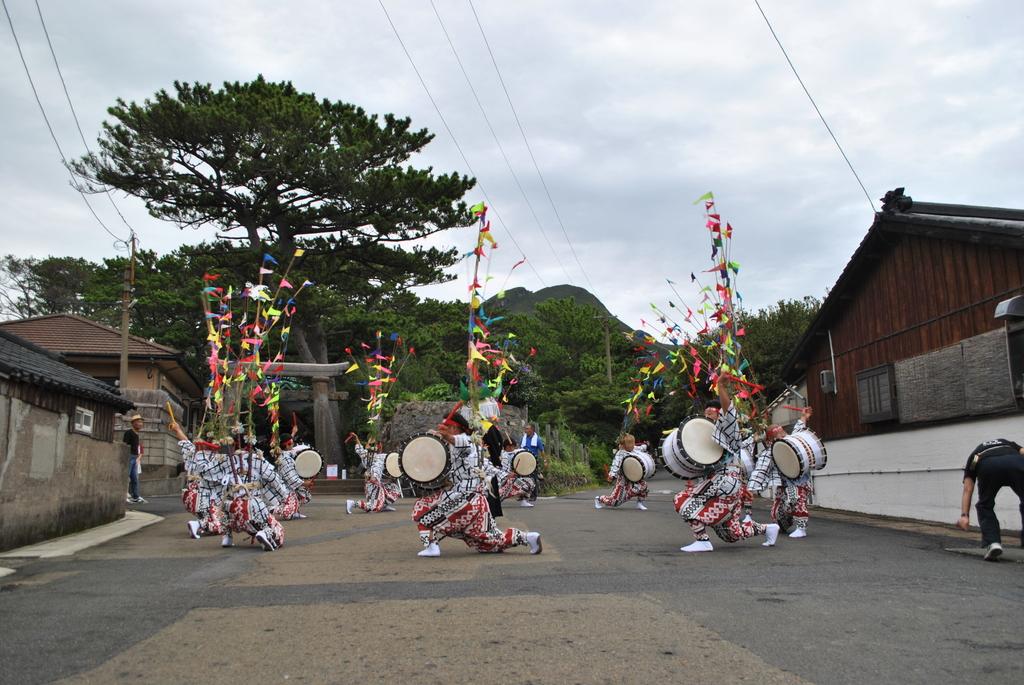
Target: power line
(74, 114)
(458, 147)
(529, 149)
(501, 148)
(46, 119)
(815, 105)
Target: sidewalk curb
(76, 542)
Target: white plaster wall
(914, 474)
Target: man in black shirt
(992, 464)
(134, 442)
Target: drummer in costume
(198, 496)
(624, 490)
(460, 509)
(789, 507)
(512, 485)
(252, 490)
(298, 492)
(717, 499)
(379, 488)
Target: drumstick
(790, 406)
(458, 405)
(170, 411)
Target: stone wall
(53, 482)
(416, 417)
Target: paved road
(610, 600)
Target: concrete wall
(914, 474)
(53, 482)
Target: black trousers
(994, 473)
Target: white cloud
(632, 111)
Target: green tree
(772, 334)
(52, 285)
(270, 166)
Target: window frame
(79, 427)
(888, 373)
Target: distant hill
(523, 301)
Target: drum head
(391, 466)
(308, 463)
(697, 441)
(524, 463)
(786, 459)
(673, 460)
(424, 458)
(633, 469)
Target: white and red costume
(623, 490)
(789, 507)
(298, 493)
(380, 490)
(461, 511)
(201, 497)
(718, 499)
(510, 484)
(252, 490)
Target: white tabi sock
(698, 546)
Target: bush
(561, 476)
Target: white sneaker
(264, 539)
(698, 546)
(993, 552)
(349, 503)
(139, 500)
(193, 530)
(597, 503)
(526, 503)
(129, 500)
(640, 506)
(389, 508)
(431, 550)
(799, 533)
(771, 534)
(533, 539)
(226, 541)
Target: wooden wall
(921, 294)
(61, 403)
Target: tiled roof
(70, 334)
(23, 361)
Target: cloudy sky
(632, 110)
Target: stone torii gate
(327, 436)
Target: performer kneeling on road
(460, 510)
(717, 499)
(790, 505)
(512, 484)
(299, 493)
(623, 490)
(200, 497)
(992, 464)
(379, 489)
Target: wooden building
(906, 365)
(62, 465)
(157, 374)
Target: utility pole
(126, 303)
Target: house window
(876, 394)
(83, 420)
